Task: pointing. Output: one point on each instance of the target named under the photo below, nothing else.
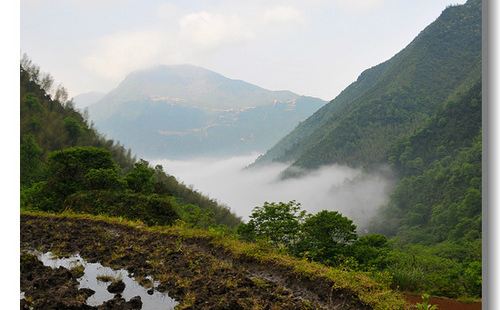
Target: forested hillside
(391, 100)
(440, 192)
(67, 164)
(421, 113)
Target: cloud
(359, 5)
(354, 193)
(118, 54)
(283, 14)
(183, 38)
(208, 30)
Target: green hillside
(391, 100)
(439, 195)
(421, 113)
(67, 164)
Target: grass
(105, 278)
(375, 294)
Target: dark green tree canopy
(279, 222)
(141, 178)
(68, 168)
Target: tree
(73, 128)
(141, 178)
(61, 94)
(279, 222)
(326, 236)
(46, 82)
(31, 160)
(68, 168)
(104, 179)
(371, 250)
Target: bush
(141, 178)
(150, 209)
(68, 168)
(104, 179)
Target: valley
(182, 188)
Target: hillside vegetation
(391, 100)
(66, 163)
(420, 112)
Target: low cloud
(183, 37)
(354, 193)
(207, 30)
(118, 54)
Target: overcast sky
(313, 47)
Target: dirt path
(197, 275)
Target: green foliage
(421, 112)
(73, 128)
(425, 304)
(326, 236)
(104, 179)
(195, 216)
(140, 178)
(31, 160)
(150, 209)
(371, 251)
(51, 171)
(392, 100)
(447, 269)
(68, 168)
(278, 222)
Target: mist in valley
(355, 193)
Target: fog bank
(354, 193)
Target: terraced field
(199, 269)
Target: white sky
(314, 47)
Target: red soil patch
(444, 303)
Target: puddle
(155, 301)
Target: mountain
(420, 112)
(184, 110)
(82, 101)
(391, 100)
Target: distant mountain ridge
(84, 100)
(188, 111)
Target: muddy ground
(445, 303)
(192, 272)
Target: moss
(105, 278)
(78, 271)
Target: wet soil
(47, 288)
(196, 274)
(444, 303)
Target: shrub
(150, 209)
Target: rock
(87, 291)
(116, 303)
(116, 287)
(151, 291)
(135, 302)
